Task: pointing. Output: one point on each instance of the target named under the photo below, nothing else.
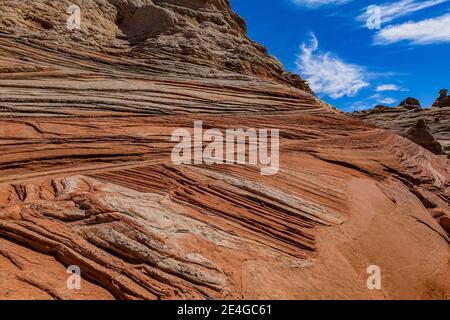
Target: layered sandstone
(402, 119)
(421, 135)
(86, 119)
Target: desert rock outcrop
(86, 118)
(421, 135)
(443, 100)
(401, 119)
(410, 103)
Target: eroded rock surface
(443, 100)
(421, 135)
(410, 103)
(87, 179)
(401, 119)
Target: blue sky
(352, 61)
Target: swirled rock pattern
(87, 179)
(400, 120)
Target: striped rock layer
(86, 176)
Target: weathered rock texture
(87, 180)
(400, 120)
(421, 135)
(443, 100)
(410, 103)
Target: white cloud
(436, 30)
(319, 3)
(387, 100)
(394, 10)
(388, 87)
(379, 99)
(327, 74)
(358, 106)
(370, 102)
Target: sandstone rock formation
(410, 103)
(401, 119)
(86, 118)
(423, 137)
(443, 100)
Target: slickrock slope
(400, 120)
(86, 176)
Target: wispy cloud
(388, 87)
(394, 10)
(327, 74)
(370, 102)
(319, 3)
(436, 30)
(387, 100)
